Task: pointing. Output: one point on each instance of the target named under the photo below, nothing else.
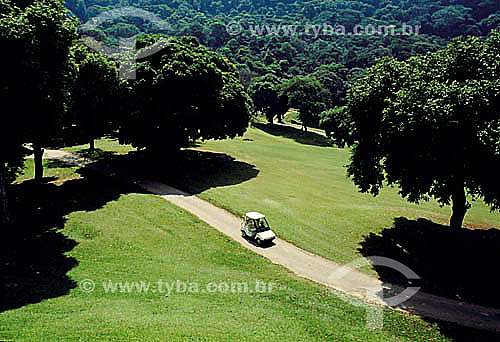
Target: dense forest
(286, 55)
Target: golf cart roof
(254, 215)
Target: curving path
(320, 270)
(313, 267)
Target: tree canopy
(35, 37)
(265, 93)
(287, 55)
(336, 124)
(333, 77)
(43, 71)
(308, 96)
(183, 93)
(94, 94)
(431, 125)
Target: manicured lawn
(102, 145)
(113, 234)
(298, 180)
(52, 169)
(304, 191)
(60, 171)
(292, 117)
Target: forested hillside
(286, 54)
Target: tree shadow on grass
(57, 164)
(457, 264)
(96, 154)
(189, 170)
(459, 333)
(306, 138)
(33, 260)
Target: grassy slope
(142, 237)
(54, 168)
(292, 118)
(309, 201)
(103, 145)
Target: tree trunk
(270, 119)
(92, 145)
(38, 153)
(4, 208)
(459, 208)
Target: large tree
(15, 42)
(336, 124)
(264, 92)
(94, 94)
(333, 77)
(431, 126)
(46, 74)
(183, 92)
(308, 96)
(35, 37)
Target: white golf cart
(254, 226)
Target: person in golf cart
(254, 225)
(262, 225)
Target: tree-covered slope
(287, 54)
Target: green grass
(299, 182)
(291, 115)
(308, 199)
(51, 169)
(105, 147)
(102, 145)
(140, 237)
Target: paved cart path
(314, 267)
(320, 270)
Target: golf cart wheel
(243, 234)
